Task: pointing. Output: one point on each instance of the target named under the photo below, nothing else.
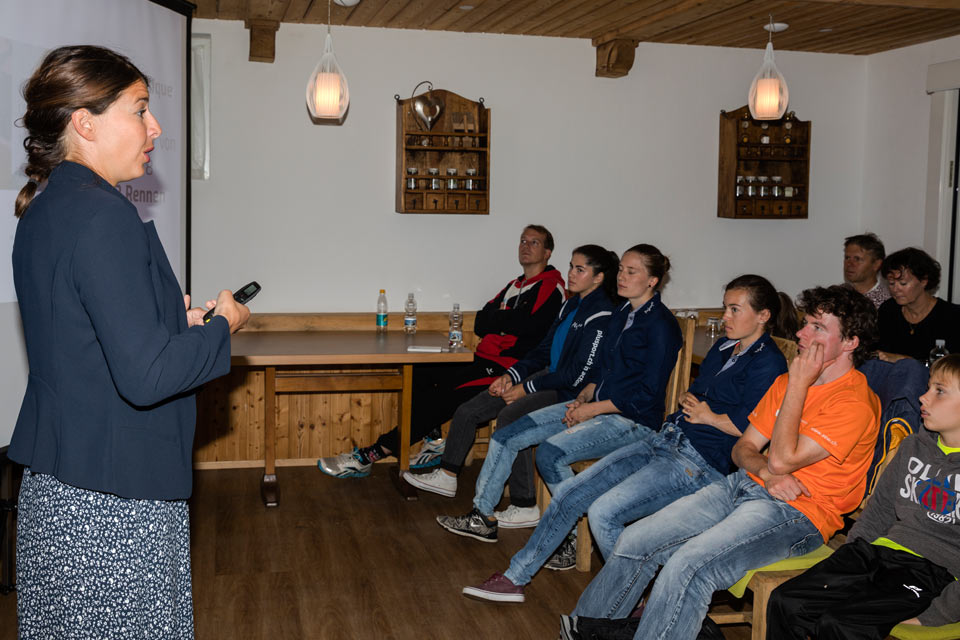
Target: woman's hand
(578, 412)
(513, 394)
(500, 385)
(586, 394)
(195, 315)
(235, 313)
(697, 411)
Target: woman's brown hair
(69, 78)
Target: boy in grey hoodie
(902, 557)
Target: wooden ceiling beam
(615, 58)
(263, 41)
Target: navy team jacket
(636, 363)
(112, 363)
(580, 348)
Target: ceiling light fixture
(768, 92)
(327, 93)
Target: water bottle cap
(382, 290)
(940, 342)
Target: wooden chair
(787, 347)
(676, 385)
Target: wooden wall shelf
(764, 167)
(459, 140)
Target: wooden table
(294, 362)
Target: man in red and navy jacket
(509, 326)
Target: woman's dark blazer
(108, 405)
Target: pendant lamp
(768, 93)
(327, 93)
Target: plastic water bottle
(456, 327)
(410, 315)
(938, 351)
(382, 312)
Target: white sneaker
(514, 517)
(437, 481)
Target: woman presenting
(106, 426)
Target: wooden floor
(350, 559)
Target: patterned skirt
(94, 565)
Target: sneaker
(514, 517)
(346, 465)
(568, 628)
(473, 525)
(497, 588)
(437, 481)
(565, 557)
(429, 455)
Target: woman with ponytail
(105, 431)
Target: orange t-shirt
(843, 417)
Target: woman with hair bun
(106, 428)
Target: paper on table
(424, 349)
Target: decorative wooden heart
(427, 108)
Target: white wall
(309, 210)
(13, 369)
(898, 129)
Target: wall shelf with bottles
(764, 166)
(443, 163)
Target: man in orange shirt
(820, 420)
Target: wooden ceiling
(829, 26)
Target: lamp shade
(769, 95)
(328, 95)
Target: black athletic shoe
(473, 525)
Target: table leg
(403, 456)
(269, 488)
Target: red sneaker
(497, 588)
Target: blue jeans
(591, 439)
(705, 542)
(630, 483)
